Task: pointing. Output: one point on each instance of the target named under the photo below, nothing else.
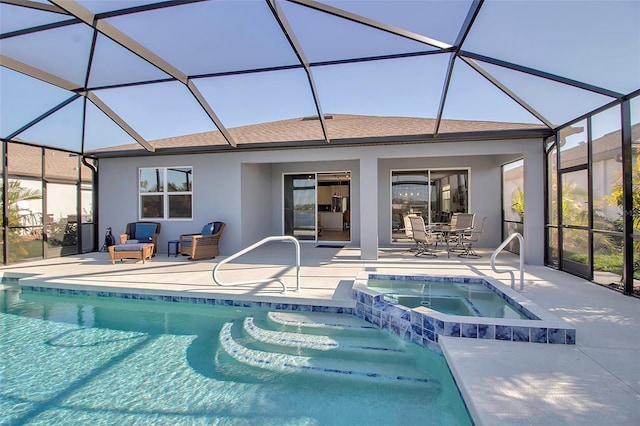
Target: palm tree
(574, 209)
(16, 217)
(616, 196)
(517, 202)
(16, 195)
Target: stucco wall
(216, 195)
(244, 189)
(257, 199)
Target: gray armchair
(204, 245)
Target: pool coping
(423, 325)
(280, 302)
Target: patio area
(596, 381)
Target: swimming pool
(423, 325)
(78, 359)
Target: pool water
(78, 360)
(452, 298)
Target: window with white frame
(166, 192)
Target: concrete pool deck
(594, 382)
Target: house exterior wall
(244, 189)
(256, 200)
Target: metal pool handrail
(266, 280)
(500, 248)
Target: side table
(175, 245)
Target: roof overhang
(515, 134)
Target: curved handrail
(500, 248)
(267, 280)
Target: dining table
(447, 232)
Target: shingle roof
(343, 129)
(25, 161)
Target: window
(166, 192)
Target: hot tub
(407, 308)
(475, 298)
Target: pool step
(320, 320)
(324, 335)
(334, 366)
(319, 342)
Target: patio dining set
(458, 235)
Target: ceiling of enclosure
(90, 75)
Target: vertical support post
(369, 208)
(5, 207)
(534, 178)
(627, 191)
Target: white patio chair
(468, 240)
(408, 232)
(426, 240)
(465, 220)
(464, 223)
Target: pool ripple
(101, 360)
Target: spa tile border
(423, 326)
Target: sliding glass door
(432, 194)
(300, 212)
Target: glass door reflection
(300, 218)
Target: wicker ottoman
(131, 251)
